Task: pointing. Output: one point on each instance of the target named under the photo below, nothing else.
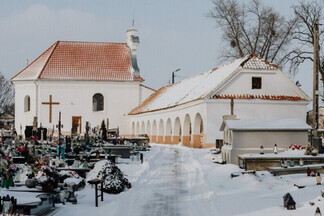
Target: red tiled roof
(69, 60)
(262, 97)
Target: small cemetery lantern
(275, 150)
(292, 163)
(282, 162)
(64, 194)
(285, 199)
(261, 149)
(318, 212)
(318, 179)
(71, 197)
(8, 204)
(286, 162)
(301, 162)
(291, 204)
(308, 172)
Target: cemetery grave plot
(52, 170)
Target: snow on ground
(175, 181)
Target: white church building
(86, 81)
(191, 111)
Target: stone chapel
(86, 81)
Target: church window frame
(27, 103)
(97, 102)
(256, 82)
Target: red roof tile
(262, 97)
(82, 61)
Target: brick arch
(168, 132)
(198, 131)
(138, 129)
(143, 131)
(148, 129)
(176, 138)
(133, 129)
(154, 131)
(186, 132)
(161, 132)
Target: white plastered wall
(75, 98)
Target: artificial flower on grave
(21, 149)
(12, 167)
(48, 178)
(309, 150)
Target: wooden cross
(50, 103)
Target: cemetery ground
(176, 180)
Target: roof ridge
(251, 56)
(247, 59)
(93, 42)
(48, 58)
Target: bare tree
(6, 94)
(306, 13)
(254, 29)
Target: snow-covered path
(167, 186)
(176, 181)
(172, 185)
(170, 182)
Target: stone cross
(87, 133)
(59, 126)
(50, 103)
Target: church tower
(132, 42)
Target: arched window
(97, 102)
(27, 103)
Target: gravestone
(42, 133)
(28, 131)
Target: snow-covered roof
(201, 85)
(267, 124)
(74, 60)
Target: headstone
(28, 131)
(42, 133)
(317, 143)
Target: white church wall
(75, 98)
(22, 118)
(145, 92)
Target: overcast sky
(173, 33)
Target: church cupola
(132, 42)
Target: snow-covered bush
(114, 179)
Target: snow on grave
(114, 180)
(49, 177)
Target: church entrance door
(76, 124)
